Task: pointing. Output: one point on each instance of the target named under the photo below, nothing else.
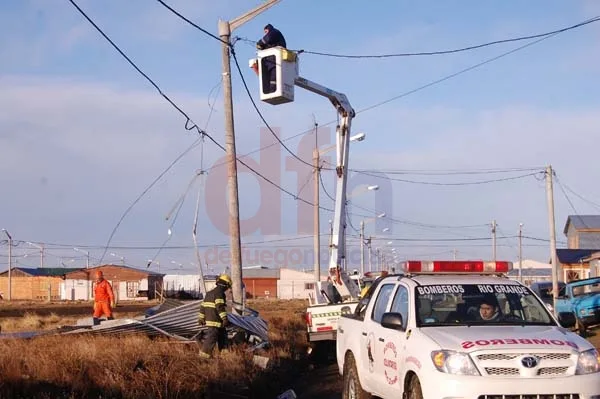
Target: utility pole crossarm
(339, 100)
(242, 19)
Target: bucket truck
(278, 72)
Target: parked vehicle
(543, 289)
(453, 329)
(581, 298)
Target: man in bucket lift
(213, 314)
(272, 38)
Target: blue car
(581, 298)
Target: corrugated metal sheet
(178, 322)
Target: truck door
(375, 342)
(391, 347)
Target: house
(575, 263)
(185, 285)
(594, 262)
(583, 231)
(260, 282)
(42, 283)
(531, 271)
(129, 284)
(294, 284)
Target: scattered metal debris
(174, 319)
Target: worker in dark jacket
(213, 314)
(272, 38)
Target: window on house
(309, 286)
(132, 289)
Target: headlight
(588, 362)
(453, 362)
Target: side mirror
(392, 321)
(566, 319)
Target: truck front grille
(511, 356)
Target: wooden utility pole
(317, 223)
(362, 248)
(521, 252)
(225, 29)
(9, 264)
(552, 227)
(494, 240)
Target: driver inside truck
(488, 309)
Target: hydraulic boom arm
(337, 262)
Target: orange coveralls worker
(104, 299)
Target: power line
(439, 172)
(168, 7)
(194, 126)
(457, 50)
(450, 184)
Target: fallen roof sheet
(179, 322)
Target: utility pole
(317, 223)
(41, 248)
(369, 249)
(521, 252)
(494, 240)
(225, 29)
(552, 227)
(362, 248)
(9, 263)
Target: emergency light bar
(435, 266)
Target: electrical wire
(193, 126)
(457, 50)
(168, 7)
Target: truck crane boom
(280, 66)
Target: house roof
(573, 255)
(582, 222)
(531, 272)
(43, 272)
(145, 272)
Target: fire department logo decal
(370, 351)
(390, 363)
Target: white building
(293, 284)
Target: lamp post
(41, 248)
(316, 207)
(362, 240)
(9, 263)
(225, 29)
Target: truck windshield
(478, 304)
(593, 287)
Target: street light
(41, 248)
(9, 263)
(225, 29)
(316, 207)
(87, 254)
(117, 256)
(362, 242)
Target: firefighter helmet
(224, 280)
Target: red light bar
(448, 266)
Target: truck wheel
(414, 390)
(352, 387)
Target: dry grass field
(138, 367)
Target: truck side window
(400, 304)
(381, 302)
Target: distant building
(294, 284)
(583, 232)
(531, 271)
(129, 284)
(42, 283)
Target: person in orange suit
(104, 299)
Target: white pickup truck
(452, 329)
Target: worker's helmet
(99, 274)
(224, 280)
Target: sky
(83, 135)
